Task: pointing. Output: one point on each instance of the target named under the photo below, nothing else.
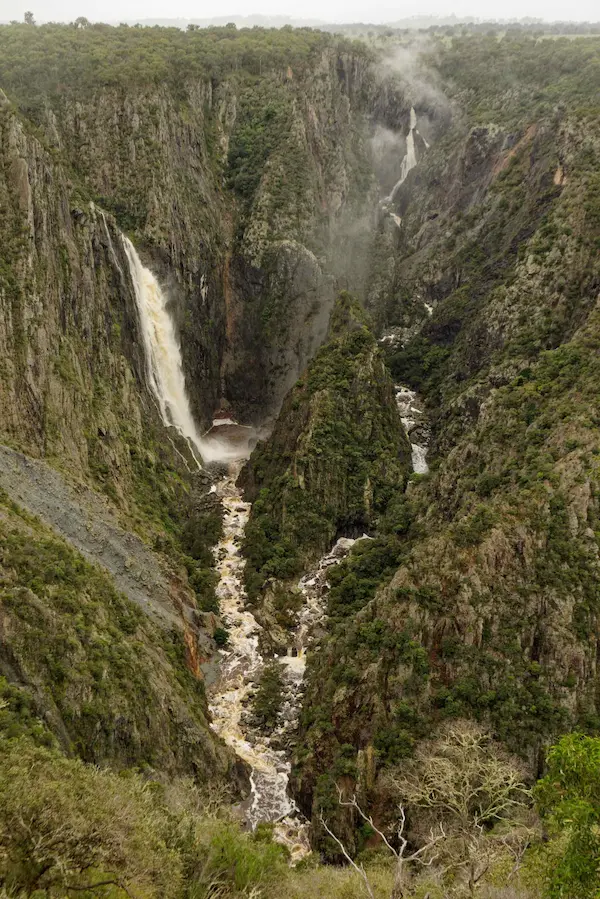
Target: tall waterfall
(164, 366)
(410, 158)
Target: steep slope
(336, 457)
(73, 390)
(238, 163)
(111, 685)
(303, 221)
(492, 611)
(243, 186)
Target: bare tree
(458, 788)
(466, 782)
(421, 856)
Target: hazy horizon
(310, 11)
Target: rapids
(416, 427)
(240, 666)
(241, 663)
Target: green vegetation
(534, 74)
(569, 799)
(109, 684)
(481, 587)
(337, 456)
(67, 827)
(263, 120)
(477, 597)
(267, 700)
(44, 59)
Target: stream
(240, 666)
(241, 662)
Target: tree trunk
(400, 882)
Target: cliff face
(234, 234)
(247, 195)
(491, 612)
(337, 456)
(248, 185)
(152, 159)
(73, 391)
(64, 334)
(303, 227)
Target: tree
(422, 856)
(28, 18)
(67, 827)
(457, 788)
(568, 797)
(465, 783)
(269, 695)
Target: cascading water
(240, 667)
(416, 427)
(408, 164)
(410, 158)
(241, 663)
(164, 367)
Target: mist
(310, 12)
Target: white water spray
(240, 667)
(415, 423)
(164, 367)
(241, 664)
(410, 158)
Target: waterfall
(410, 158)
(415, 425)
(164, 367)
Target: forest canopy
(58, 58)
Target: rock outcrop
(336, 456)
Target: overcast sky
(326, 10)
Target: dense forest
(445, 739)
(56, 58)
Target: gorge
(298, 461)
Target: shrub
(67, 825)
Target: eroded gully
(241, 663)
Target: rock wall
(336, 457)
(73, 393)
(485, 607)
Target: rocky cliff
(245, 168)
(73, 391)
(336, 457)
(491, 311)
(245, 181)
(245, 191)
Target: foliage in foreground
(71, 829)
(569, 798)
(65, 825)
(67, 828)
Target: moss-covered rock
(90, 667)
(337, 455)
